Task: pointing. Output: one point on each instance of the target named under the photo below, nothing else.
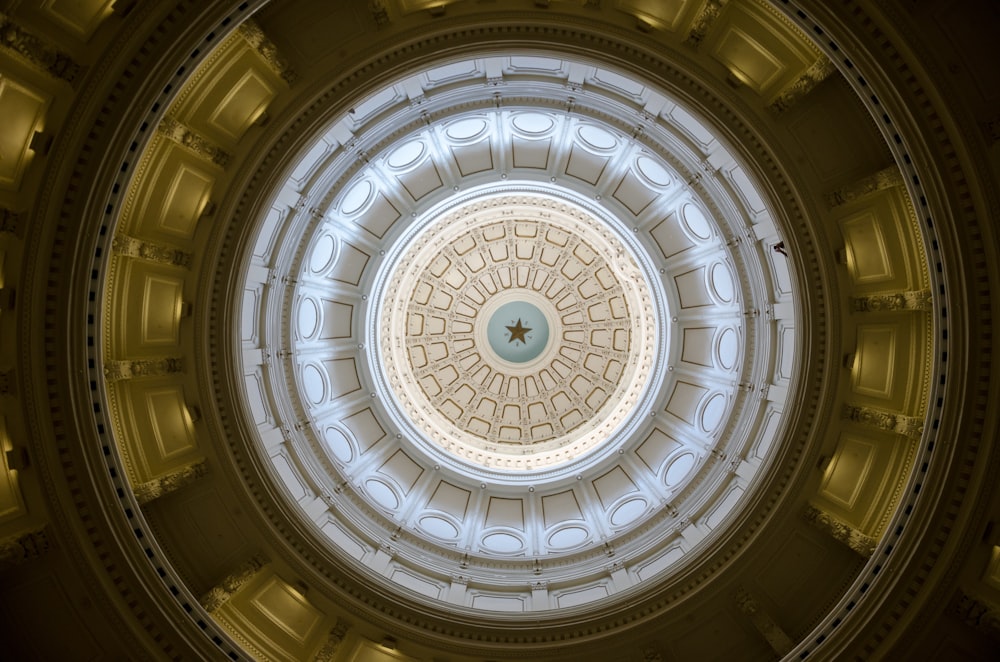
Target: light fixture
(40, 142)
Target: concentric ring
(499, 252)
(661, 314)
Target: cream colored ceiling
(445, 290)
(884, 466)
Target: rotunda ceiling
(520, 333)
(483, 343)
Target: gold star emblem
(517, 332)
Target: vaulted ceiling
(249, 251)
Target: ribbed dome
(525, 393)
(637, 416)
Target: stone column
(36, 51)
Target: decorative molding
(333, 641)
(883, 179)
(803, 85)
(917, 300)
(379, 13)
(147, 250)
(171, 482)
(976, 613)
(704, 21)
(254, 35)
(908, 426)
(173, 129)
(231, 585)
(23, 547)
(119, 370)
(858, 542)
(51, 60)
(779, 641)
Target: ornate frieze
(118, 370)
(912, 300)
(858, 542)
(379, 12)
(188, 138)
(803, 85)
(652, 655)
(703, 21)
(908, 426)
(231, 585)
(11, 222)
(976, 613)
(333, 641)
(8, 384)
(255, 36)
(154, 489)
(37, 52)
(883, 179)
(146, 250)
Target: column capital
(908, 426)
(23, 547)
(703, 22)
(36, 51)
(230, 586)
(859, 542)
(883, 179)
(171, 482)
(254, 35)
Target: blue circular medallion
(518, 332)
